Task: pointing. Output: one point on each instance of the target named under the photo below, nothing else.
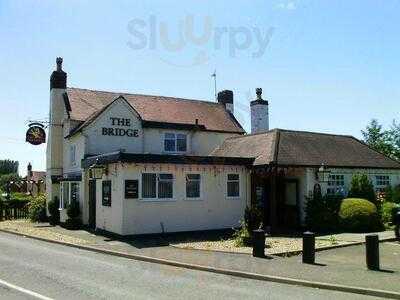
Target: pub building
(142, 164)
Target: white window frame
(200, 198)
(175, 134)
(157, 199)
(381, 187)
(63, 203)
(335, 186)
(226, 186)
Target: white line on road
(25, 291)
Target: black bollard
(308, 247)
(372, 251)
(259, 243)
(396, 223)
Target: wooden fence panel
(13, 210)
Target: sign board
(131, 189)
(122, 130)
(35, 134)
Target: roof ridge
(314, 132)
(147, 95)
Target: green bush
(242, 236)
(253, 218)
(54, 212)
(396, 194)
(322, 213)
(388, 210)
(21, 197)
(73, 213)
(37, 209)
(362, 188)
(359, 215)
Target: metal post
(372, 251)
(308, 247)
(259, 243)
(396, 222)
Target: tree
(382, 140)
(8, 166)
(5, 179)
(362, 187)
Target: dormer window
(175, 142)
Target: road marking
(25, 291)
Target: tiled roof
(299, 148)
(213, 116)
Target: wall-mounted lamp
(96, 171)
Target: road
(59, 272)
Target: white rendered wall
(140, 216)
(259, 118)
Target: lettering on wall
(120, 131)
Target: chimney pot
(59, 62)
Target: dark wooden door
(92, 203)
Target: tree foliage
(386, 141)
(362, 187)
(8, 166)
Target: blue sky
(328, 66)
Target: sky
(326, 66)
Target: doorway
(289, 204)
(92, 203)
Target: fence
(13, 209)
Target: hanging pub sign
(35, 134)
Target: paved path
(62, 272)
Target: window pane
(65, 195)
(233, 176)
(165, 186)
(149, 185)
(193, 186)
(74, 192)
(233, 189)
(106, 191)
(169, 145)
(170, 136)
(181, 142)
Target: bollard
(372, 251)
(259, 243)
(308, 247)
(396, 222)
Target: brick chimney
(226, 98)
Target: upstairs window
(72, 155)
(233, 186)
(381, 182)
(175, 142)
(336, 184)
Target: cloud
(289, 5)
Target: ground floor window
(382, 182)
(70, 191)
(193, 186)
(232, 185)
(157, 186)
(336, 184)
(106, 193)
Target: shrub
(396, 194)
(37, 209)
(322, 213)
(21, 197)
(359, 215)
(388, 211)
(242, 236)
(253, 218)
(73, 213)
(362, 187)
(54, 212)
